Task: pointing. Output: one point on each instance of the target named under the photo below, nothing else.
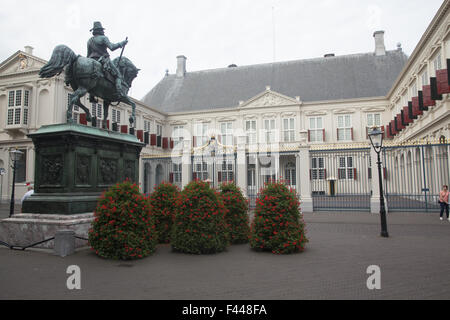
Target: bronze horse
(86, 75)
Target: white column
(241, 164)
(297, 174)
(303, 176)
(186, 165)
(277, 166)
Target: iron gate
(414, 175)
(340, 179)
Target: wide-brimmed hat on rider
(97, 26)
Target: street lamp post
(376, 139)
(15, 156)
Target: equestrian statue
(95, 74)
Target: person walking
(443, 201)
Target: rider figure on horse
(97, 49)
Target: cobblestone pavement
(414, 262)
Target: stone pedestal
(26, 229)
(74, 164)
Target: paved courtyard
(414, 262)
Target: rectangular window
(146, 126)
(413, 92)
(96, 111)
(177, 135)
(18, 103)
(251, 181)
(21, 170)
(317, 169)
(226, 172)
(17, 112)
(425, 79)
(373, 120)
(289, 130)
(201, 137)
(201, 170)
(250, 129)
(437, 62)
(115, 116)
(316, 129)
(159, 130)
(11, 98)
(18, 98)
(177, 172)
(346, 169)
(226, 132)
(290, 175)
(25, 116)
(269, 129)
(344, 128)
(10, 116)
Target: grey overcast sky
(213, 33)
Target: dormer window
(18, 104)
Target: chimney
(329, 55)
(181, 66)
(380, 49)
(29, 50)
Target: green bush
(123, 227)
(278, 225)
(199, 225)
(237, 212)
(163, 203)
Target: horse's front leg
(75, 100)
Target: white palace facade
(304, 122)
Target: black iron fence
(340, 179)
(414, 175)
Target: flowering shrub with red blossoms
(163, 203)
(237, 212)
(199, 226)
(123, 227)
(278, 225)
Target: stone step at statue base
(26, 229)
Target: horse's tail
(62, 56)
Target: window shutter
(325, 174)
(351, 129)
(153, 139)
(310, 174)
(140, 135)
(309, 135)
(171, 143)
(427, 100)
(165, 143)
(83, 118)
(385, 173)
(382, 130)
(354, 174)
(434, 89)
(323, 135)
(124, 128)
